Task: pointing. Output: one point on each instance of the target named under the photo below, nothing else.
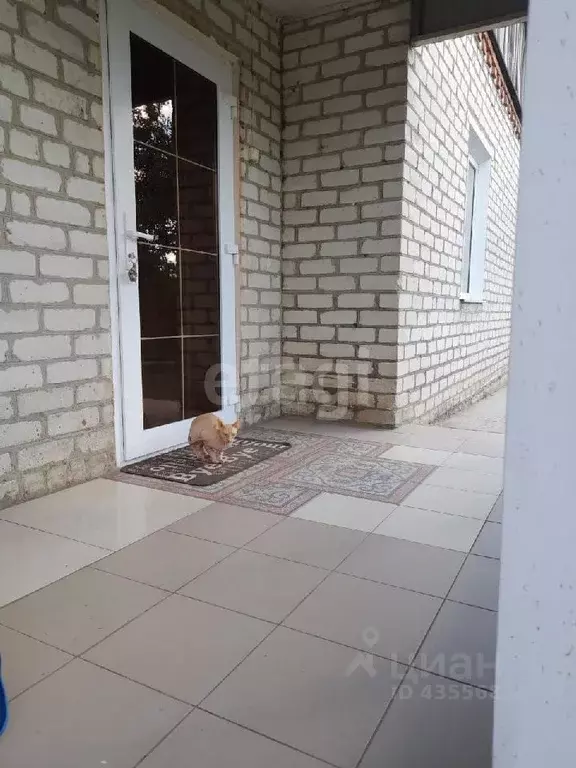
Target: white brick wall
(343, 137)
(54, 317)
(45, 262)
(452, 352)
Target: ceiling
(291, 8)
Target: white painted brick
(361, 120)
(45, 453)
(356, 335)
(29, 175)
(69, 319)
(81, 163)
(321, 90)
(360, 265)
(356, 231)
(56, 154)
(364, 42)
(5, 44)
(20, 432)
(367, 156)
(94, 391)
(20, 377)
(5, 105)
(71, 370)
(3, 350)
(8, 14)
(364, 80)
(318, 53)
(62, 211)
(84, 23)
(5, 464)
(337, 283)
(341, 66)
(310, 234)
(45, 400)
(59, 99)
(83, 136)
(84, 189)
(96, 441)
(337, 249)
(36, 235)
(55, 265)
(343, 178)
(317, 267)
(38, 120)
(305, 39)
(42, 347)
(54, 36)
(218, 16)
(31, 55)
(342, 104)
(314, 301)
(24, 144)
(317, 333)
(91, 294)
(30, 292)
(338, 317)
(300, 348)
(17, 263)
(73, 421)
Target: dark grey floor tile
(430, 570)
(489, 542)
(497, 510)
(375, 618)
(310, 694)
(307, 542)
(205, 741)
(461, 645)
(478, 583)
(434, 723)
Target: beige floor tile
(165, 560)
(451, 501)
(485, 464)
(485, 444)
(104, 513)
(181, 647)
(32, 559)
(465, 480)
(345, 511)
(258, 585)
(308, 693)
(445, 440)
(85, 716)
(205, 741)
(307, 542)
(226, 524)
(432, 528)
(26, 661)
(416, 455)
(79, 611)
(374, 618)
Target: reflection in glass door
(175, 130)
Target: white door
(173, 175)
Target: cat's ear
(236, 424)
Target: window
(475, 220)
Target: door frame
(228, 69)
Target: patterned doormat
(313, 464)
(181, 466)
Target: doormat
(181, 466)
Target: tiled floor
(165, 631)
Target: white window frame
(475, 219)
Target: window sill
(467, 298)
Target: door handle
(140, 236)
(132, 270)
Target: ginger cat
(209, 437)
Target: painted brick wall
(345, 104)
(56, 412)
(55, 375)
(451, 352)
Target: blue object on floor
(3, 704)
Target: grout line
(166, 735)
(58, 536)
(265, 736)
